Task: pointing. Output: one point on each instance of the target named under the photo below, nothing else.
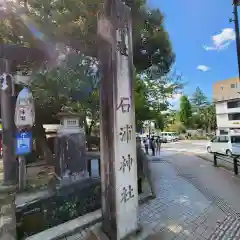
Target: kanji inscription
(127, 194)
(126, 133)
(126, 163)
(121, 43)
(124, 104)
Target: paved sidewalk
(180, 211)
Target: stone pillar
(7, 213)
(70, 159)
(118, 140)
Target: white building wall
(221, 108)
(222, 116)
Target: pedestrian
(140, 175)
(152, 145)
(146, 145)
(158, 144)
(143, 169)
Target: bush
(198, 138)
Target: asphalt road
(196, 146)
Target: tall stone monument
(118, 140)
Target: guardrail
(230, 159)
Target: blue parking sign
(23, 143)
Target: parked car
(225, 144)
(170, 136)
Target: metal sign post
(24, 120)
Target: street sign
(24, 111)
(23, 143)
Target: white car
(225, 144)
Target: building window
(233, 104)
(223, 132)
(223, 139)
(233, 85)
(234, 116)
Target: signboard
(23, 143)
(24, 111)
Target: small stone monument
(71, 162)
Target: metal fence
(234, 159)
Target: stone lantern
(70, 145)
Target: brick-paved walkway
(180, 210)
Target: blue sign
(23, 143)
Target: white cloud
(203, 68)
(222, 40)
(175, 101)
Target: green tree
(159, 121)
(142, 106)
(185, 113)
(208, 117)
(199, 99)
(74, 83)
(74, 23)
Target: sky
(203, 41)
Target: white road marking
(184, 150)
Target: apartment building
(226, 95)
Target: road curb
(211, 160)
(204, 157)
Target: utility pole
(236, 3)
(9, 159)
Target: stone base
(96, 233)
(7, 213)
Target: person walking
(152, 145)
(143, 169)
(140, 175)
(158, 145)
(146, 144)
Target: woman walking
(158, 145)
(146, 144)
(152, 145)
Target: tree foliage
(74, 23)
(199, 99)
(185, 113)
(74, 83)
(142, 107)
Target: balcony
(225, 123)
(233, 110)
